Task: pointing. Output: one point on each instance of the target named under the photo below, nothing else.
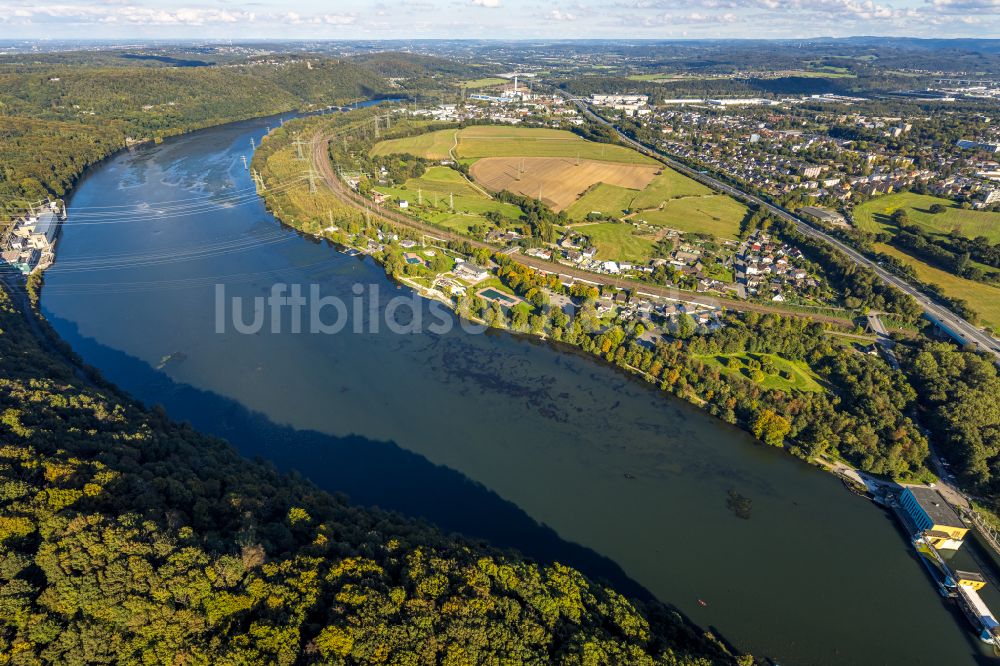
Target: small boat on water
(702, 602)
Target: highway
(958, 328)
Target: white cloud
(560, 15)
(129, 14)
(961, 6)
(448, 18)
(339, 19)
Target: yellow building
(970, 579)
(934, 518)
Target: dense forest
(127, 538)
(960, 392)
(56, 120)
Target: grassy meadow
(799, 376)
(874, 216)
(670, 199)
(616, 241)
(983, 298)
(428, 198)
(504, 141)
(431, 145)
(718, 215)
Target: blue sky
(388, 19)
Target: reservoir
(509, 440)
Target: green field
(669, 185)
(822, 73)
(718, 215)
(431, 145)
(983, 298)
(801, 377)
(602, 198)
(434, 188)
(652, 77)
(485, 82)
(502, 141)
(617, 242)
(874, 216)
(671, 199)
(614, 200)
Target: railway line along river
(506, 439)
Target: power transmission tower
(253, 145)
(420, 197)
(245, 167)
(258, 180)
(298, 148)
(451, 201)
(311, 174)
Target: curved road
(957, 327)
(321, 162)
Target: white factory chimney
(515, 84)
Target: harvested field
(559, 181)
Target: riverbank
(496, 436)
(358, 227)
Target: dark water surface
(501, 438)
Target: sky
(500, 19)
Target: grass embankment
(874, 216)
(981, 297)
(288, 194)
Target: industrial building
(31, 241)
(933, 517)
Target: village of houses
(757, 148)
(659, 314)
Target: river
(501, 438)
